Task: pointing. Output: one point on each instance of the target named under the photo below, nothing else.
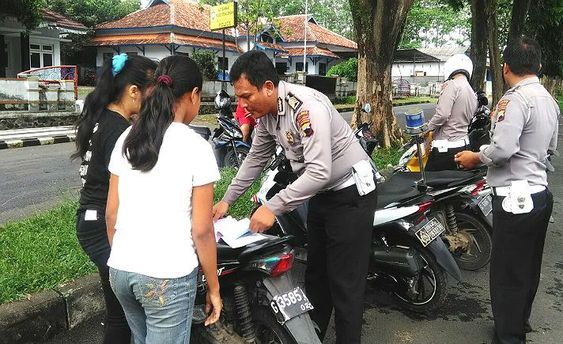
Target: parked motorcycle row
(425, 229)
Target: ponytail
(117, 74)
(176, 76)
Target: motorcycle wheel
(235, 160)
(268, 329)
(479, 253)
(431, 286)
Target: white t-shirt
(154, 222)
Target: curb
(49, 312)
(40, 141)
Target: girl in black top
(106, 114)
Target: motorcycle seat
(227, 253)
(391, 192)
(438, 179)
(204, 131)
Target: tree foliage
(93, 12)
(347, 69)
(205, 60)
(545, 24)
(26, 11)
(435, 22)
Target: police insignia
(293, 101)
(289, 137)
(280, 105)
(501, 108)
(304, 123)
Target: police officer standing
(323, 151)
(526, 125)
(456, 106)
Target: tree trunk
(494, 51)
(479, 34)
(378, 25)
(552, 85)
(519, 13)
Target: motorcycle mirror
(366, 108)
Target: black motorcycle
(230, 149)
(408, 257)
(261, 303)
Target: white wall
(408, 69)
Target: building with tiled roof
(167, 27)
(21, 50)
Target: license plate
(288, 305)
(430, 231)
(486, 204)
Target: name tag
(91, 215)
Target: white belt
(504, 190)
(349, 182)
(445, 144)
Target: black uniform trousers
(441, 161)
(92, 236)
(518, 241)
(339, 228)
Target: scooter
(408, 257)
(261, 303)
(230, 150)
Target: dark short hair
(257, 68)
(523, 56)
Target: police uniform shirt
(316, 139)
(456, 106)
(526, 121)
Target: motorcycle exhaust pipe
(397, 260)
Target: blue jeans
(158, 310)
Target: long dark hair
(138, 71)
(179, 75)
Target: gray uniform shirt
(316, 139)
(526, 122)
(456, 106)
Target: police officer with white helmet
(335, 175)
(456, 106)
(525, 128)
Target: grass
(42, 252)
(384, 157)
(560, 101)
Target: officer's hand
(467, 159)
(219, 210)
(262, 220)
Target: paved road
(36, 178)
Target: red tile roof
(161, 38)
(178, 12)
(61, 21)
(291, 28)
(311, 51)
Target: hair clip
(117, 63)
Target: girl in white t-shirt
(159, 211)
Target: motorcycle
(408, 257)
(230, 149)
(261, 303)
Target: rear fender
(301, 328)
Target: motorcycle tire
(481, 248)
(436, 280)
(268, 329)
(232, 160)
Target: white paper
(91, 215)
(236, 233)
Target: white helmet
(459, 63)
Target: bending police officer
(322, 150)
(456, 106)
(525, 128)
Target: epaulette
(293, 102)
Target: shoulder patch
(501, 108)
(304, 123)
(293, 101)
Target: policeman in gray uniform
(322, 150)
(526, 125)
(456, 106)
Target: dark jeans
(92, 236)
(443, 161)
(339, 237)
(518, 241)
